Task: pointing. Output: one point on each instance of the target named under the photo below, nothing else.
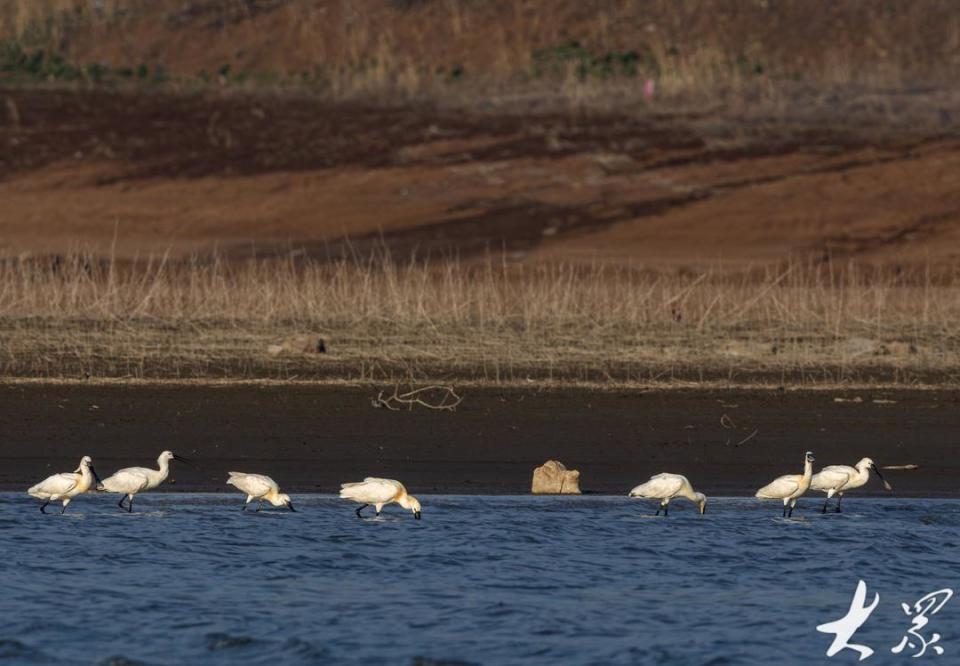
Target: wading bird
(259, 487)
(379, 493)
(65, 486)
(838, 479)
(665, 487)
(132, 480)
(789, 487)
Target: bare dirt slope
(150, 173)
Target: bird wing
(661, 485)
(127, 480)
(832, 477)
(253, 484)
(780, 487)
(58, 484)
(372, 490)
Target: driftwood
(431, 397)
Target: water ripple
(589, 580)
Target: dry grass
(463, 51)
(492, 322)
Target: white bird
(132, 480)
(259, 487)
(379, 493)
(65, 486)
(665, 487)
(789, 487)
(838, 479)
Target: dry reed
(488, 322)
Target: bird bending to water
(259, 487)
(838, 479)
(665, 487)
(132, 480)
(789, 487)
(65, 486)
(379, 493)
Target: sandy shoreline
(311, 438)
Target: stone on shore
(553, 478)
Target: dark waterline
(488, 580)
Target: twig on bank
(448, 399)
(747, 438)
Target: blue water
(189, 579)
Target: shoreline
(312, 438)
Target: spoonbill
(838, 479)
(132, 480)
(665, 487)
(259, 487)
(65, 486)
(790, 486)
(379, 493)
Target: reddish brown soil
(140, 174)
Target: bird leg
(129, 503)
(63, 510)
(666, 508)
(259, 506)
(120, 503)
(839, 499)
(790, 513)
(44, 506)
(824, 509)
(659, 506)
(785, 509)
(361, 509)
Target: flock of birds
(130, 481)
(833, 480)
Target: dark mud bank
(312, 438)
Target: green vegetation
(584, 64)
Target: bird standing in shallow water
(838, 479)
(65, 486)
(132, 480)
(379, 493)
(665, 487)
(790, 486)
(259, 487)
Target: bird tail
(347, 490)
(34, 491)
(105, 486)
(764, 493)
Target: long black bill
(290, 506)
(417, 515)
(95, 476)
(182, 459)
(886, 484)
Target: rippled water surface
(189, 579)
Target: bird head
(809, 457)
(414, 505)
(283, 499)
(867, 463)
(167, 456)
(701, 501)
